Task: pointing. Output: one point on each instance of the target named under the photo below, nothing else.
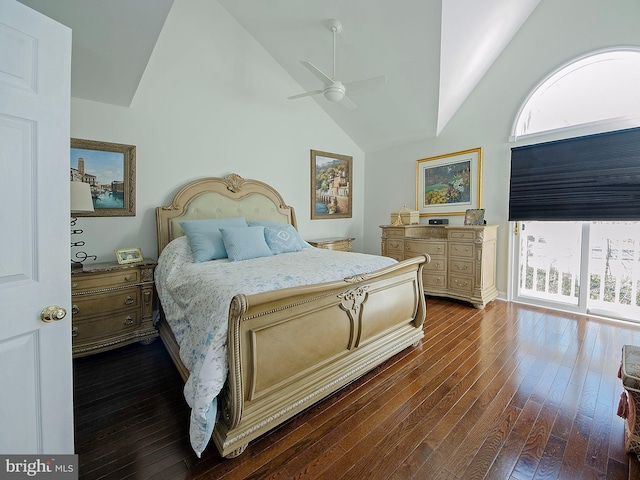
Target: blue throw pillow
(284, 238)
(245, 243)
(205, 237)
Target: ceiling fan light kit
(334, 90)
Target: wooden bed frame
(289, 349)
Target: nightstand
(112, 306)
(344, 244)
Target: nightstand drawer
(104, 327)
(84, 306)
(80, 283)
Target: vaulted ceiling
(432, 53)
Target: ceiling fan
(334, 90)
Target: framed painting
(449, 184)
(331, 185)
(110, 170)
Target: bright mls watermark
(52, 467)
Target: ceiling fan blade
(306, 94)
(317, 72)
(368, 82)
(346, 102)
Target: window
(600, 88)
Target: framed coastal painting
(449, 184)
(331, 185)
(110, 170)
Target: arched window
(601, 88)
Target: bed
(286, 349)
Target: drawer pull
(394, 245)
(74, 332)
(128, 321)
(74, 285)
(462, 267)
(129, 300)
(461, 284)
(128, 278)
(75, 309)
(437, 265)
(407, 247)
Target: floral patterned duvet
(195, 298)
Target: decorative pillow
(284, 238)
(205, 237)
(245, 243)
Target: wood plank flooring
(510, 392)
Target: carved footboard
(290, 348)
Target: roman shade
(595, 177)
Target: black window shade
(590, 178)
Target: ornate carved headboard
(214, 197)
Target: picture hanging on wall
(110, 170)
(449, 184)
(331, 185)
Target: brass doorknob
(52, 313)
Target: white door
(36, 388)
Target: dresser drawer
(461, 250)
(436, 264)
(84, 306)
(460, 266)
(394, 244)
(462, 235)
(461, 283)
(394, 232)
(103, 281)
(103, 327)
(434, 280)
(431, 248)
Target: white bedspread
(195, 298)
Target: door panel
(36, 412)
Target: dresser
(112, 306)
(344, 244)
(463, 258)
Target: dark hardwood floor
(510, 392)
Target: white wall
(557, 32)
(212, 102)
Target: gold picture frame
(125, 256)
(331, 185)
(110, 169)
(449, 184)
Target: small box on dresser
(112, 306)
(463, 258)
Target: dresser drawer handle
(438, 249)
(437, 265)
(129, 300)
(407, 247)
(74, 332)
(75, 309)
(394, 245)
(128, 321)
(461, 267)
(461, 284)
(128, 278)
(74, 285)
